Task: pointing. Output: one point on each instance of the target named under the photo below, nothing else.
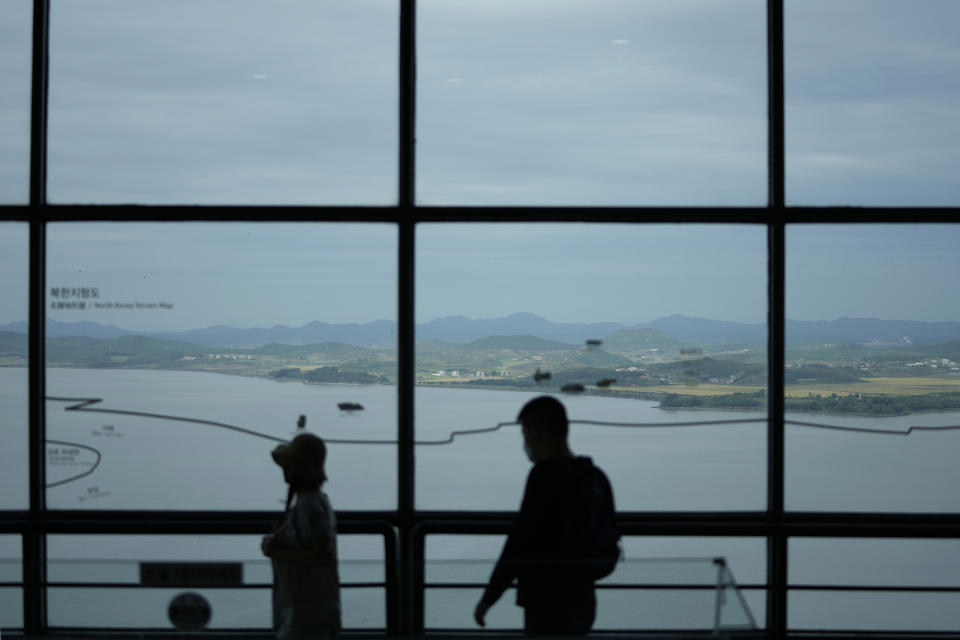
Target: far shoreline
(651, 396)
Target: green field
(695, 389)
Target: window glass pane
(873, 367)
(872, 102)
(463, 564)
(609, 102)
(11, 550)
(223, 102)
(142, 317)
(246, 604)
(11, 608)
(11, 571)
(874, 563)
(598, 307)
(14, 420)
(16, 28)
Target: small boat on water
(572, 388)
(350, 406)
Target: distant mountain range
(663, 332)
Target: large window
(872, 368)
(871, 110)
(241, 602)
(402, 219)
(179, 355)
(591, 103)
(223, 102)
(888, 584)
(634, 326)
(11, 577)
(15, 102)
(675, 584)
(14, 274)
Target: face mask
(526, 450)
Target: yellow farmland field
(891, 386)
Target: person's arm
(515, 550)
(504, 573)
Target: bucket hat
(302, 459)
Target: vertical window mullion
(776, 166)
(776, 322)
(407, 105)
(405, 411)
(38, 102)
(34, 539)
(776, 541)
(408, 596)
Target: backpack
(595, 527)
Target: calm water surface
(149, 462)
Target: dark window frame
(405, 591)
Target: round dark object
(189, 612)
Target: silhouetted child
(304, 547)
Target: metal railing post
(718, 605)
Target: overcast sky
(633, 102)
(613, 102)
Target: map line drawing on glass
(58, 456)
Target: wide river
(102, 458)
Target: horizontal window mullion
(865, 588)
(639, 214)
(612, 586)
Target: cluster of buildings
(230, 356)
(936, 363)
(470, 373)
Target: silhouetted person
(543, 552)
(304, 547)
